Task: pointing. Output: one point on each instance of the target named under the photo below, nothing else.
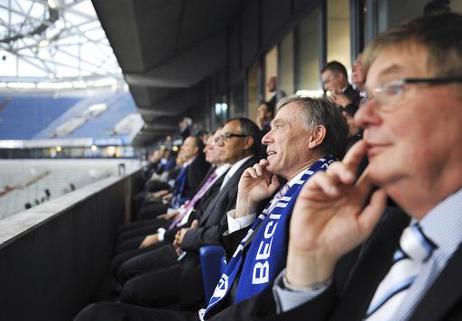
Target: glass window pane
(271, 69)
(252, 91)
(308, 59)
(338, 31)
(392, 13)
(237, 100)
(286, 78)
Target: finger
(364, 186)
(328, 184)
(342, 172)
(372, 212)
(355, 155)
(251, 172)
(259, 170)
(263, 163)
(195, 224)
(274, 185)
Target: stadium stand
(24, 116)
(93, 116)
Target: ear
(317, 136)
(248, 142)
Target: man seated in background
(190, 176)
(272, 88)
(264, 117)
(335, 83)
(306, 135)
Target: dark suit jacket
(199, 207)
(350, 298)
(355, 98)
(207, 233)
(195, 175)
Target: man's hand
(149, 240)
(167, 197)
(179, 237)
(333, 214)
(169, 216)
(159, 194)
(340, 99)
(256, 184)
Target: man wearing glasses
(410, 266)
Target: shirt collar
(297, 177)
(443, 224)
(222, 169)
(187, 163)
(237, 165)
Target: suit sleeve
(205, 235)
(231, 241)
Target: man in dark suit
(305, 132)
(150, 274)
(335, 83)
(405, 271)
(189, 178)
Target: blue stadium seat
(213, 263)
(24, 116)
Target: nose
(367, 115)
(267, 138)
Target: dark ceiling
(165, 48)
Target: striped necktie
(414, 249)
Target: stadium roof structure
(54, 44)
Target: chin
(378, 174)
(270, 167)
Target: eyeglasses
(387, 96)
(224, 137)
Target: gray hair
(322, 112)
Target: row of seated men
(171, 179)
(323, 244)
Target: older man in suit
(306, 134)
(409, 265)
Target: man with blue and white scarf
(306, 136)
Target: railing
(54, 257)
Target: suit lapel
(231, 184)
(375, 259)
(444, 294)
